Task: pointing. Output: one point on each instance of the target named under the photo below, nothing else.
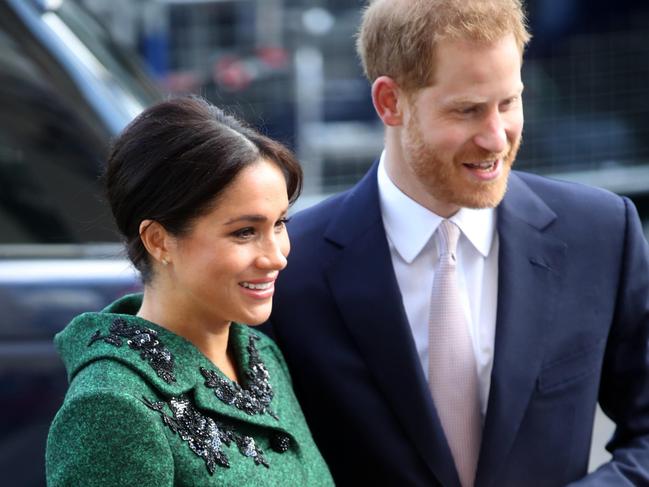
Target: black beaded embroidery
(256, 394)
(146, 341)
(280, 442)
(205, 436)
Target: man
(419, 361)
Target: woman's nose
(273, 255)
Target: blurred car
(65, 90)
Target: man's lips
(482, 166)
(486, 170)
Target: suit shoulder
(314, 219)
(561, 195)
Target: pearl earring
(165, 261)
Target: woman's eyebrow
(247, 218)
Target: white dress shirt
(409, 228)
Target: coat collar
(89, 338)
(530, 260)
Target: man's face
(460, 136)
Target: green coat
(146, 408)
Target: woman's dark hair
(173, 160)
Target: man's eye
(467, 110)
(509, 102)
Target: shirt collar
(409, 226)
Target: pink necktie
(452, 373)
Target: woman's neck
(210, 338)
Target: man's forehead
(477, 60)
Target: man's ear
(156, 240)
(388, 99)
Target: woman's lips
(258, 288)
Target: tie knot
(448, 234)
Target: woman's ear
(387, 99)
(156, 240)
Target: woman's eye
(281, 223)
(246, 232)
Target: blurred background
(73, 73)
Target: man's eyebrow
(465, 97)
(465, 100)
(473, 100)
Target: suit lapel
(530, 262)
(365, 289)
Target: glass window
(49, 159)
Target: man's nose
(492, 135)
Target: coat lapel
(276, 415)
(364, 286)
(530, 263)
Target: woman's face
(224, 268)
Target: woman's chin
(257, 318)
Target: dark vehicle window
(65, 91)
(49, 189)
(124, 69)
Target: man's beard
(448, 181)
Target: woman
(166, 388)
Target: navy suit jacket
(572, 327)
